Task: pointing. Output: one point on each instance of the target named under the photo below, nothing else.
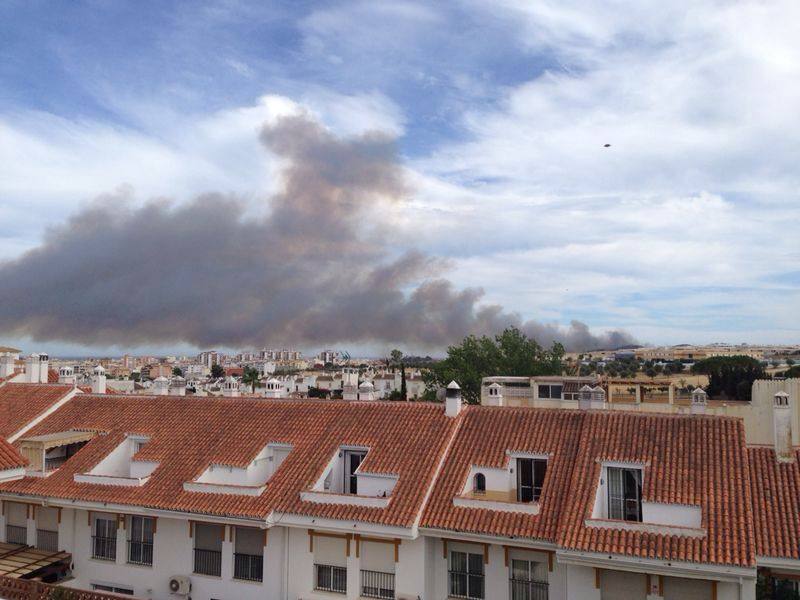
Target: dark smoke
(208, 273)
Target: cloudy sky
(497, 114)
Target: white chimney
(66, 375)
(161, 386)
(585, 397)
(230, 387)
(32, 369)
(495, 394)
(699, 401)
(598, 397)
(44, 368)
(99, 380)
(177, 386)
(7, 365)
(452, 399)
(366, 391)
(782, 423)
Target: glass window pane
(476, 564)
(458, 562)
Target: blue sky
(684, 230)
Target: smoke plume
(209, 273)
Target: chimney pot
(782, 424)
(452, 399)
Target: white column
(122, 542)
(353, 573)
(227, 554)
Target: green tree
(790, 362)
(511, 353)
(251, 377)
(395, 359)
(177, 372)
(217, 371)
(403, 388)
(730, 376)
(791, 372)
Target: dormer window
(352, 460)
(552, 391)
(530, 478)
(479, 483)
(624, 494)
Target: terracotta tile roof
(9, 457)
(21, 403)
(187, 434)
(775, 489)
(483, 439)
(688, 460)
(52, 376)
(695, 460)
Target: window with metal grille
(466, 575)
(140, 541)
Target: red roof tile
(21, 403)
(9, 457)
(775, 489)
(188, 434)
(688, 460)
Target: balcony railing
(104, 548)
(375, 584)
(328, 578)
(47, 540)
(140, 553)
(16, 534)
(51, 464)
(249, 567)
(527, 589)
(466, 585)
(208, 562)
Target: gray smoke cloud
(209, 273)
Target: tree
(251, 377)
(403, 389)
(177, 372)
(792, 372)
(511, 353)
(790, 362)
(395, 359)
(217, 371)
(730, 376)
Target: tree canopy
(730, 376)
(217, 371)
(511, 353)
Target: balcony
(527, 589)
(104, 548)
(248, 567)
(140, 553)
(328, 578)
(500, 500)
(47, 540)
(16, 534)
(208, 562)
(375, 584)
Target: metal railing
(47, 540)
(208, 562)
(375, 584)
(249, 567)
(328, 578)
(466, 585)
(104, 548)
(140, 553)
(51, 464)
(527, 589)
(16, 534)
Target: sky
(684, 229)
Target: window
(352, 460)
(527, 582)
(479, 483)
(530, 478)
(624, 494)
(329, 578)
(138, 445)
(550, 391)
(113, 589)
(466, 575)
(248, 556)
(104, 540)
(208, 549)
(140, 542)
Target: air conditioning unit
(180, 584)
